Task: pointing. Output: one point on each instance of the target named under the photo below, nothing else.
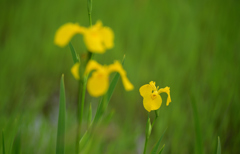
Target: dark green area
(191, 46)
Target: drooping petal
(92, 65)
(75, 71)
(152, 104)
(146, 90)
(98, 84)
(107, 37)
(66, 32)
(166, 90)
(117, 67)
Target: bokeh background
(191, 46)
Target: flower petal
(166, 90)
(98, 84)
(92, 65)
(93, 41)
(117, 67)
(107, 37)
(75, 71)
(152, 104)
(66, 32)
(146, 90)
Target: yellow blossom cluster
(97, 39)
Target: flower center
(154, 95)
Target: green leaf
(219, 146)
(155, 148)
(199, 145)
(16, 148)
(161, 149)
(89, 115)
(74, 54)
(61, 119)
(3, 143)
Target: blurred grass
(190, 46)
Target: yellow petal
(166, 90)
(66, 32)
(152, 83)
(152, 104)
(107, 37)
(75, 71)
(98, 84)
(145, 90)
(117, 67)
(92, 65)
(93, 41)
(127, 84)
(98, 38)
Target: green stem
(156, 116)
(83, 92)
(89, 3)
(147, 135)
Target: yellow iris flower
(97, 38)
(98, 83)
(151, 98)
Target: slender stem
(89, 3)
(147, 135)
(79, 117)
(84, 86)
(156, 116)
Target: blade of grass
(219, 146)
(16, 148)
(199, 145)
(61, 119)
(155, 148)
(74, 54)
(161, 149)
(3, 145)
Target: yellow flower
(97, 38)
(75, 71)
(98, 83)
(151, 98)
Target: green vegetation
(190, 46)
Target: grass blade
(219, 146)
(61, 119)
(74, 54)
(155, 148)
(16, 148)
(3, 143)
(160, 152)
(199, 146)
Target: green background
(191, 46)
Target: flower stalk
(148, 133)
